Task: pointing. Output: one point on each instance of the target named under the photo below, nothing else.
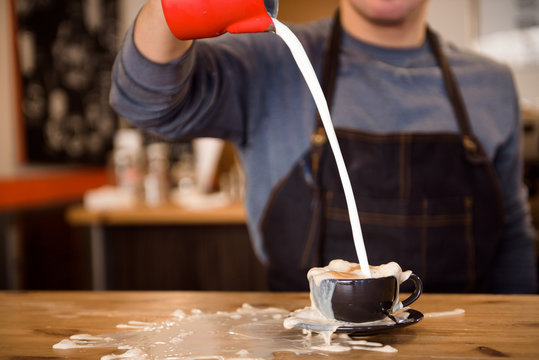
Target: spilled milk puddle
(247, 333)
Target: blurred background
(88, 203)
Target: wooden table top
(492, 326)
(163, 215)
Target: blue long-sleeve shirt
(247, 89)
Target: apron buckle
(473, 150)
(319, 138)
(469, 144)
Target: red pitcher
(195, 19)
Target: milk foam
(342, 269)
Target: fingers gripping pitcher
(196, 19)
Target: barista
(430, 134)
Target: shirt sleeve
(213, 90)
(514, 266)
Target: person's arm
(154, 39)
(514, 267)
(215, 88)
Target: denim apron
(428, 201)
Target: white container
(128, 160)
(156, 181)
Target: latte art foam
(342, 269)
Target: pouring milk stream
(309, 74)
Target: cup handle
(417, 291)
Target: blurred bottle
(128, 161)
(232, 183)
(184, 171)
(156, 181)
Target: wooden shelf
(162, 215)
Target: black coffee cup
(360, 300)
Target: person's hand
(153, 37)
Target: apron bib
(429, 201)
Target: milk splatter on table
(247, 333)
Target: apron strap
(455, 97)
(330, 67)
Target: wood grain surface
(494, 326)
